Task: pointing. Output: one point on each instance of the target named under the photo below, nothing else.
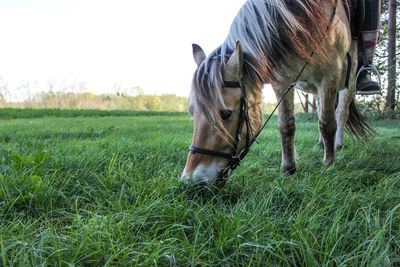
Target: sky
(106, 43)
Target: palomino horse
(272, 41)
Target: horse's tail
(357, 124)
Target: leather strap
(199, 150)
(231, 84)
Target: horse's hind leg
(287, 129)
(345, 97)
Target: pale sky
(132, 42)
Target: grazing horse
(272, 41)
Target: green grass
(15, 113)
(89, 191)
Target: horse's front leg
(287, 129)
(327, 121)
(342, 113)
(320, 141)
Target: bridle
(234, 157)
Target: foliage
(90, 191)
(120, 101)
(374, 109)
(71, 100)
(381, 61)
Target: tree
(306, 103)
(314, 104)
(4, 92)
(391, 90)
(117, 88)
(377, 104)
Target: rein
(234, 157)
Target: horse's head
(224, 106)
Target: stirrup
(369, 68)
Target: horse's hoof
(338, 147)
(289, 169)
(329, 162)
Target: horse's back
(338, 44)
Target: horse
(285, 43)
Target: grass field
(90, 190)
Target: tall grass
(88, 191)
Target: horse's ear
(235, 63)
(198, 54)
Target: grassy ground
(15, 113)
(88, 191)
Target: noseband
(234, 157)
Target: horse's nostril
(225, 114)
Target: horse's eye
(225, 114)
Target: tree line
(85, 100)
